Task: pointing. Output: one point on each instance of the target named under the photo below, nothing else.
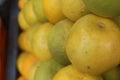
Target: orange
(21, 3)
(21, 60)
(28, 63)
(53, 10)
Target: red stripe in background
(2, 51)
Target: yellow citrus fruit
(21, 60)
(38, 9)
(28, 63)
(33, 70)
(24, 44)
(53, 10)
(21, 3)
(29, 14)
(25, 38)
(22, 22)
(74, 9)
(91, 44)
(70, 73)
(39, 43)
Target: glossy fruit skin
(92, 43)
(105, 8)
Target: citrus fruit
(70, 73)
(20, 61)
(73, 9)
(23, 43)
(57, 40)
(22, 22)
(105, 8)
(29, 13)
(27, 64)
(21, 3)
(33, 70)
(47, 70)
(38, 9)
(112, 74)
(39, 43)
(93, 44)
(53, 10)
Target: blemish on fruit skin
(101, 25)
(88, 67)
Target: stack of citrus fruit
(69, 40)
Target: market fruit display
(69, 40)
(57, 40)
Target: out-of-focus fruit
(33, 70)
(57, 40)
(93, 44)
(53, 10)
(74, 9)
(70, 73)
(21, 60)
(21, 3)
(47, 70)
(25, 38)
(22, 22)
(21, 78)
(29, 14)
(27, 64)
(38, 9)
(24, 44)
(106, 8)
(113, 74)
(39, 43)
(117, 20)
